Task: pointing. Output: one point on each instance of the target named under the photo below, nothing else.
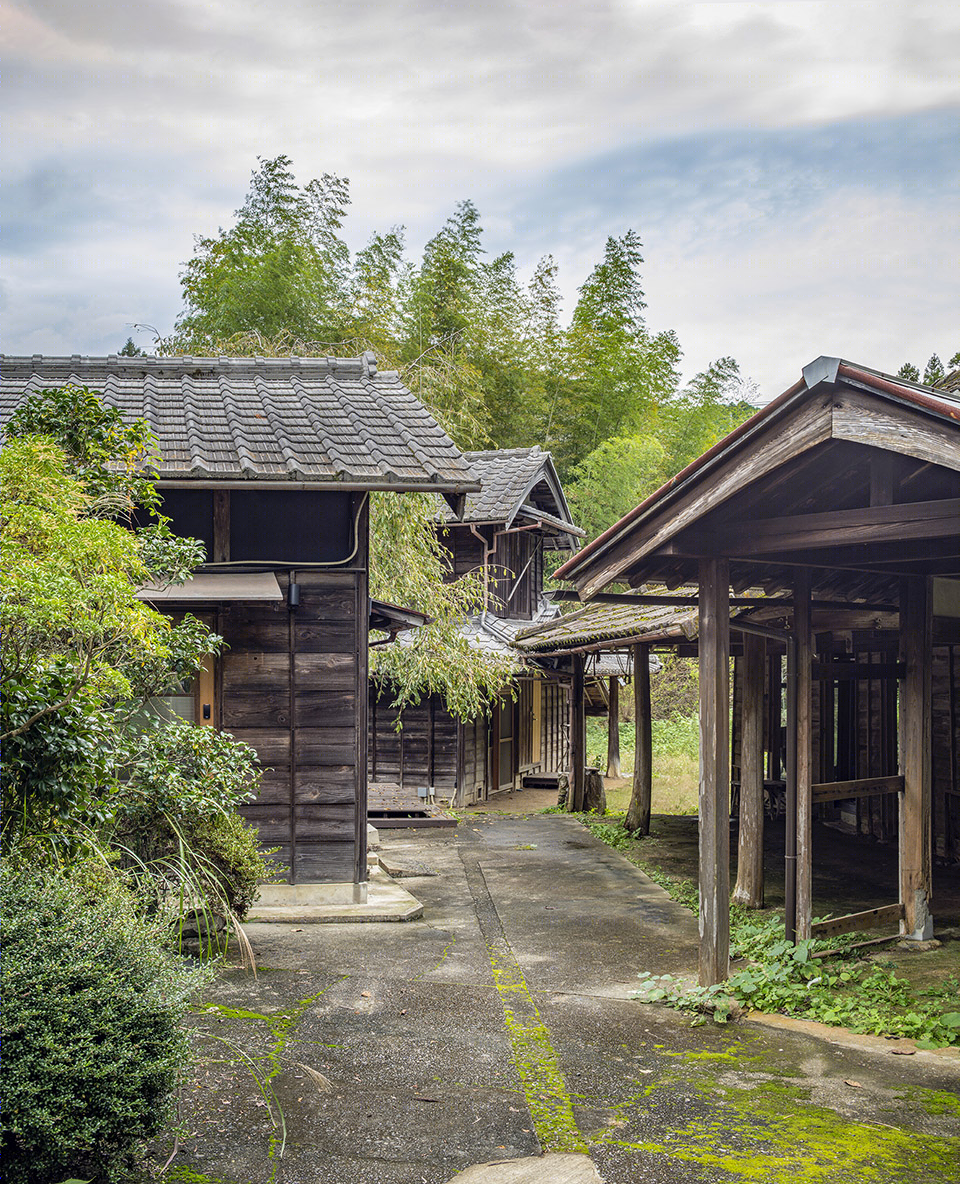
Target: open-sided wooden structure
(841, 501)
(270, 462)
(518, 514)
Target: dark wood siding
(946, 752)
(516, 566)
(422, 752)
(294, 687)
(554, 727)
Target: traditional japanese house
(270, 462)
(840, 500)
(506, 527)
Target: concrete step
(543, 1169)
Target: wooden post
(775, 705)
(638, 812)
(221, 527)
(749, 888)
(804, 751)
(613, 728)
(916, 649)
(714, 771)
(578, 737)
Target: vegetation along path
(503, 1023)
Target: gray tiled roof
(509, 479)
(329, 421)
(610, 625)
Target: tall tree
(281, 268)
(712, 404)
(619, 372)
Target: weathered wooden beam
(867, 524)
(638, 812)
(714, 771)
(804, 752)
(863, 787)
(578, 737)
(654, 600)
(839, 671)
(778, 442)
(852, 922)
(221, 526)
(749, 886)
(613, 728)
(916, 641)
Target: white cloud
(131, 128)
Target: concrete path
(501, 1026)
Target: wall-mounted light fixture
(293, 592)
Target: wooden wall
(516, 567)
(946, 752)
(423, 752)
(294, 686)
(864, 739)
(555, 727)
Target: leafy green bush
(175, 815)
(788, 979)
(91, 1024)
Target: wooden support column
(916, 650)
(578, 737)
(638, 813)
(749, 888)
(613, 728)
(714, 771)
(221, 527)
(804, 751)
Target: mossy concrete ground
(502, 1024)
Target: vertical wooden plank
(578, 737)
(714, 771)
(459, 795)
(362, 624)
(804, 751)
(749, 886)
(613, 728)
(916, 642)
(292, 717)
(221, 526)
(638, 812)
(775, 706)
(537, 727)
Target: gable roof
(836, 405)
(517, 483)
(323, 422)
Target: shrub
(91, 1024)
(176, 820)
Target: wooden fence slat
(851, 922)
(864, 787)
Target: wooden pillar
(916, 650)
(638, 812)
(578, 737)
(775, 710)
(804, 751)
(613, 728)
(714, 771)
(749, 887)
(221, 527)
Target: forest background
(489, 355)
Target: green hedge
(91, 1025)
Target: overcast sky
(790, 165)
